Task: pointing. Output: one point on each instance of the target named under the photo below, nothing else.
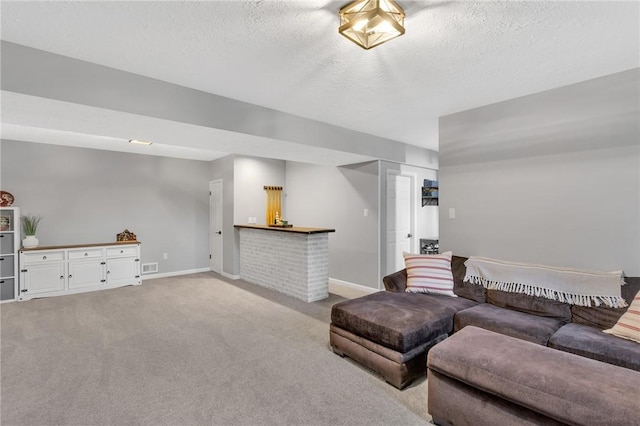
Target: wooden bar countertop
(294, 229)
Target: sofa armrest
(396, 282)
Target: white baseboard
(174, 273)
(230, 276)
(340, 283)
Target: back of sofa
(604, 317)
(595, 316)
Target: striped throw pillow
(628, 326)
(429, 273)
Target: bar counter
(293, 261)
(294, 229)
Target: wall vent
(149, 268)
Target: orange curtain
(274, 204)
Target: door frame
(211, 217)
(413, 244)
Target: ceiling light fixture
(369, 23)
(139, 142)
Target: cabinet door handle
(108, 272)
(86, 254)
(2, 282)
(44, 257)
(1, 258)
(121, 251)
(61, 277)
(1, 236)
(70, 275)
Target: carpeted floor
(196, 349)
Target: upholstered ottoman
(391, 333)
(478, 377)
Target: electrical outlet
(165, 256)
(452, 213)
(366, 212)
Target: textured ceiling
(288, 56)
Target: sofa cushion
(429, 273)
(400, 321)
(397, 282)
(604, 317)
(539, 306)
(568, 388)
(592, 343)
(524, 326)
(469, 291)
(601, 317)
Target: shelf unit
(430, 193)
(9, 247)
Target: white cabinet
(122, 263)
(87, 268)
(48, 277)
(55, 271)
(86, 274)
(9, 246)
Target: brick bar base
(294, 264)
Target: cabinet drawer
(7, 289)
(6, 243)
(43, 256)
(85, 254)
(6, 266)
(122, 251)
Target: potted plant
(30, 225)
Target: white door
(215, 225)
(399, 220)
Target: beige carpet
(195, 349)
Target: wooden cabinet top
(72, 246)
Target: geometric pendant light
(370, 23)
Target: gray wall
(251, 175)
(88, 196)
(551, 178)
(335, 197)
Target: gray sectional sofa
(482, 378)
(391, 332)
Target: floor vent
(149, 268)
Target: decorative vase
(30, 241)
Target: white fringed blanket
(574, 286)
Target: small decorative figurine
(126, 235)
